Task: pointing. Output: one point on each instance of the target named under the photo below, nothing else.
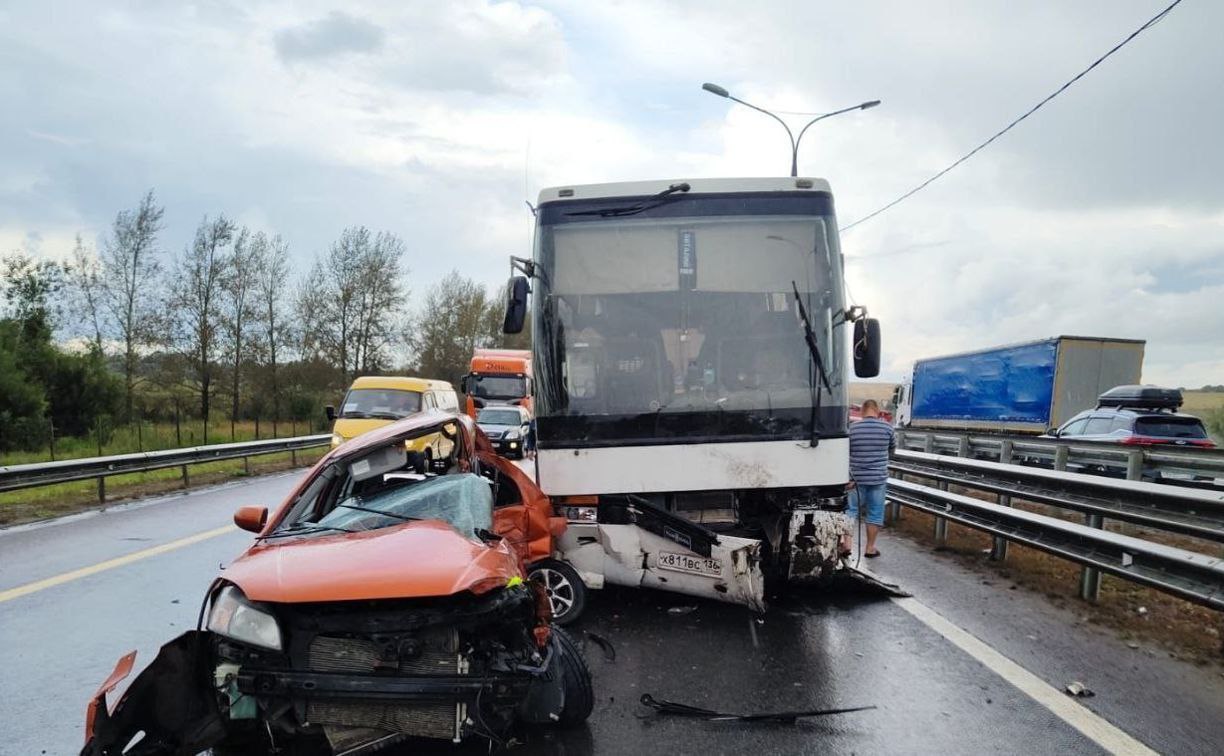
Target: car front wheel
(575, 680)
(566, 591)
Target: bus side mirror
(516, 304)
(867, 348)
(463, 384)
(330, 411)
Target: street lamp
(721, 92)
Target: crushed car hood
(414, 560)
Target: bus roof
(698, 186)
(400, 382)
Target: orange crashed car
(378, 604)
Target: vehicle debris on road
(673, 708)
(1079, 690)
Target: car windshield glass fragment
(498, 417)
(380, 403)
(498, 386)
(464, 501)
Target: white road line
(1092, 726)
(110, 564)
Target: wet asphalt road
(846, 647)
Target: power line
(1150, 23)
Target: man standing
(871, 443)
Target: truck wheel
(575, 680)
(566, 591)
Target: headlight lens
(235, 617)
(512, 434)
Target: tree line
(126, 331)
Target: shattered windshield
(464, 501)
(383, 403)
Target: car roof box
(1141, 397)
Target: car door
(522, 514)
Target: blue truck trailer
(1019, 388)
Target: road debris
(605, 644)
(1079, 690)
(664, 706)
(681, 609)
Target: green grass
(128, 439)
(66, 498)
(1209, 407)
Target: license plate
(696, 565)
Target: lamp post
(721, 92)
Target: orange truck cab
(498, 376)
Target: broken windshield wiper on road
(617, 212)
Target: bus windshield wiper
(809, 336)
(655, 201)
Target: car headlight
(234, 617)
(511, 435)
(337, 440)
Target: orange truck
(498, 376)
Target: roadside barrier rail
(1190, 575)
(15, 477)
(1165, 463)
(1171, 509)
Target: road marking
(136, 556)
(1092, 726)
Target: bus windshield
(681, 322)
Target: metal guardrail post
(186, 478)
(928, 443)
(293, 457)
(998, 546)
(1134, 464)
(941, 524)
(1060, 457)
(962, 449)
(101, 490)
(246, 465)
(1090, 577)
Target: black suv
(1136, 415)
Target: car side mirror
(867, 348)
(516, 304)
(330, 411)
(1052, 431)
(251, 517)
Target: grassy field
(127, 439)
(1209, 406)
(41, 503)
(53, 501)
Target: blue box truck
(1019, 388)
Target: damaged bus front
(690, 344)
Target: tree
(85, 279)
(352, 301)
(271, 276)
(194, 300)
(30, 289)
(130, 270)
(453, 321)
(238, 307)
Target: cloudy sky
(1101, 215)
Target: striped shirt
(871, 440)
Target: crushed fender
(672, 708)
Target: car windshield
(384, 403)
(498, 417)
(498, 386)
(464, 501)
(1171, 427)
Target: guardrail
(1184, 511)
(1164, 463)
(14, 477)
